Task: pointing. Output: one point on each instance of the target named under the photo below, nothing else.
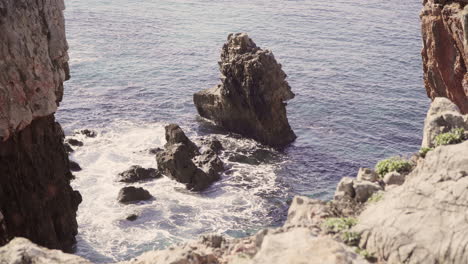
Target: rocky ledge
(251, 98)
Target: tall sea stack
(251, 98)
(36, 199)
(444, 26)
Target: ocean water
(355, 67)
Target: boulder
(176, 162)
(137, 173)
(74, 166)
(423, 220)
(443, 116)
(175, 135)
(88, 133)
(132, 194)
(366, 174)
(132, 217)
(251, 98)
(364, 190)
(182, 161)
(21, 250)
(394, 178)
(345, 189)
(305, 211)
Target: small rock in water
(132, 194)
(88, 133)
(137, 173)
(74, 166)
(132, 217)
(74, 142)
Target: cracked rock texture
(423, 220)
(36, 199)
(299, 241)
(33, 61)
(251, 98)
(445, 50)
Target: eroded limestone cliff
(444, 26)
(36, 200)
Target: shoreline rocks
(137, 173)
(251, 98)
(131, 194)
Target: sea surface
(354, 65)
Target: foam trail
(239, 202)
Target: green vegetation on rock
(336, 225)
(351, 238)
(424, 151)
(453, 137)
(397, 164)
(375, 197)
(366, 254)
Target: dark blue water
(355, 67)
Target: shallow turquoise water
(355, 68)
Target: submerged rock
(132, 194)
(181, 161)
(137, 173)
(132, 217)
(251, 99)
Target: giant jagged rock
(182, 161)
(251, 98)
(423, 220)
(36, 199)
(445, 50)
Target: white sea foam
(234, 204)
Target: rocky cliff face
(251, 98)
(36, 200)
(444, 26)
